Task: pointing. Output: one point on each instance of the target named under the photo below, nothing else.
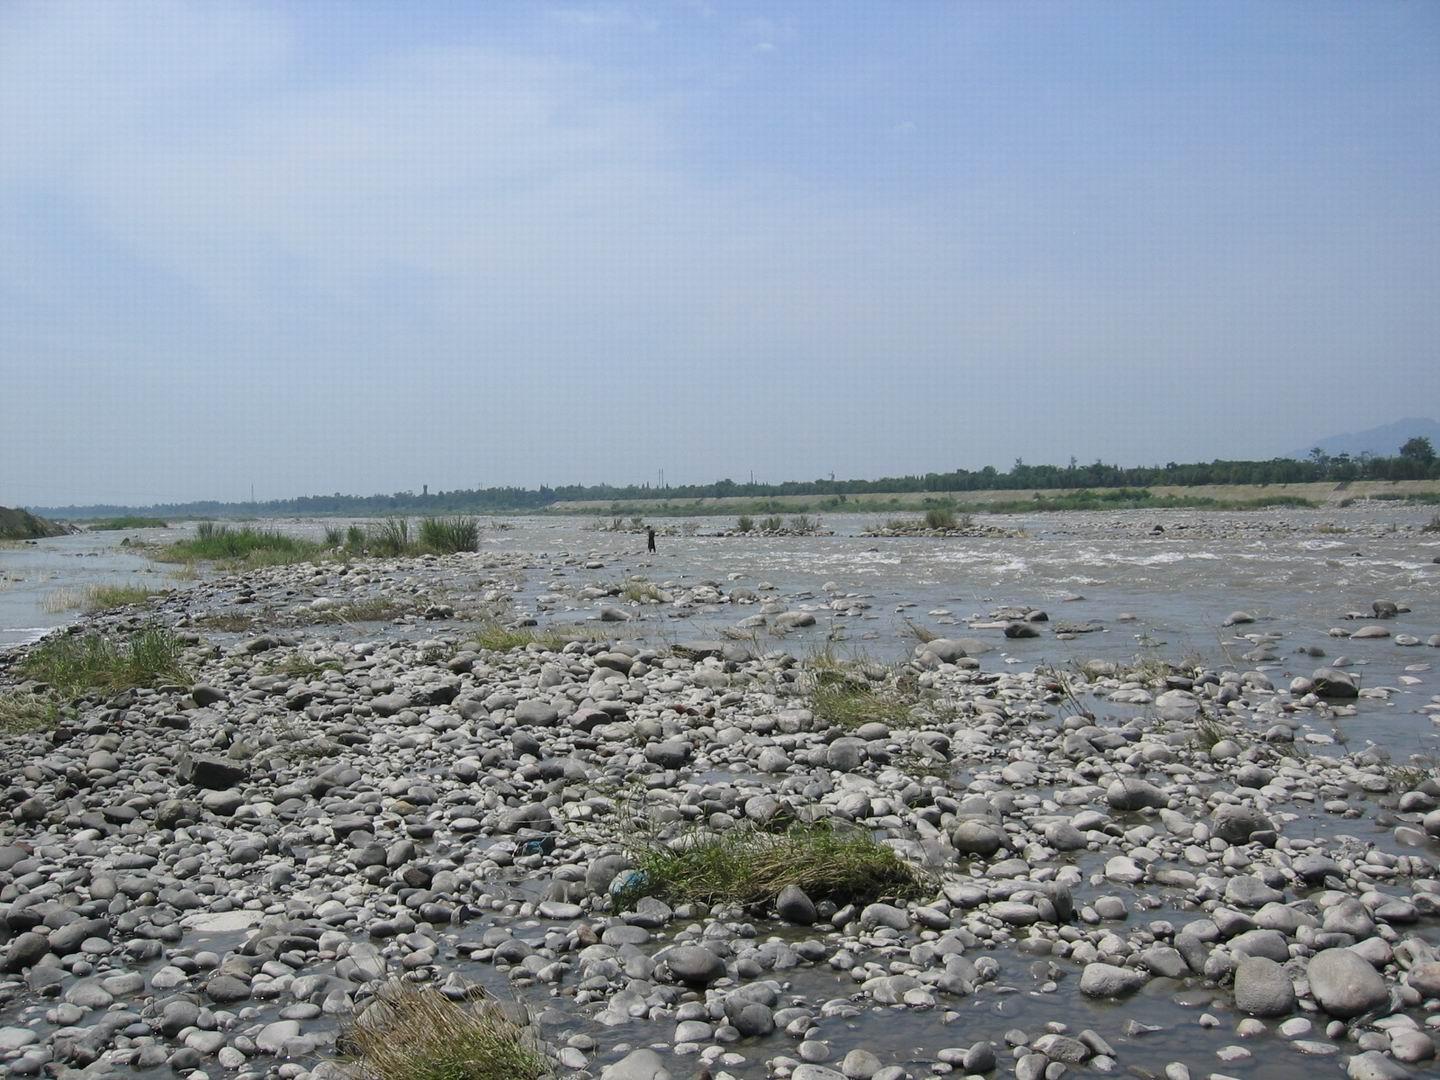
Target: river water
(1303, 574)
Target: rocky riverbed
(1155, 869)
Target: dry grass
(417, 1033)
(69, 598)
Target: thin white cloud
(603, 17)
(532, 184)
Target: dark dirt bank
(22, 525)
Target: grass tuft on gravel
(495, 636)
(746, 865)
(21, 712)
(77, 664)
(372, 609)
(844, 694)
(249, 547)
(417, 1033)
(445, 536)
(106, 597)
(129, 522)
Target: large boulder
(977, 836)
(1236, 824)
(211, 773)
(1262, 988)
(1131, 793)
(1345, 984)
(694, 965)
(1329, 682)
(1108, 981)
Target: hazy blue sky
(363, 247)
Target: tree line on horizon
(1416, 460)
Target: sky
(365, 247)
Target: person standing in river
(650, 539)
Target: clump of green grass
(844, 693)
(847, 705)
(745, 523)
(772, 524)
(801, 524)
(249, 546)
(334, 536)
(641, 592)
(391, 537)
(746, 865)
(129, 522)
(105, 597)
(445, 536)
(497, 637)
(417, 1033)
(940, 517)
(1208, 732)
(21, 712)
(1409, 775)
(1433, 526)
(76, 664)
(493, 634)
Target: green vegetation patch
(848, 693)
(106, 597)
(746, 865)
(1136, 499)
(642, 592)
(75, 664)
(847, 705)
(417, 1033)
(247, 546)
(445, 536)
(494, 636)
(131, 521)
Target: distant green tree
(1418, 449)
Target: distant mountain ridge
(1383, 441)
